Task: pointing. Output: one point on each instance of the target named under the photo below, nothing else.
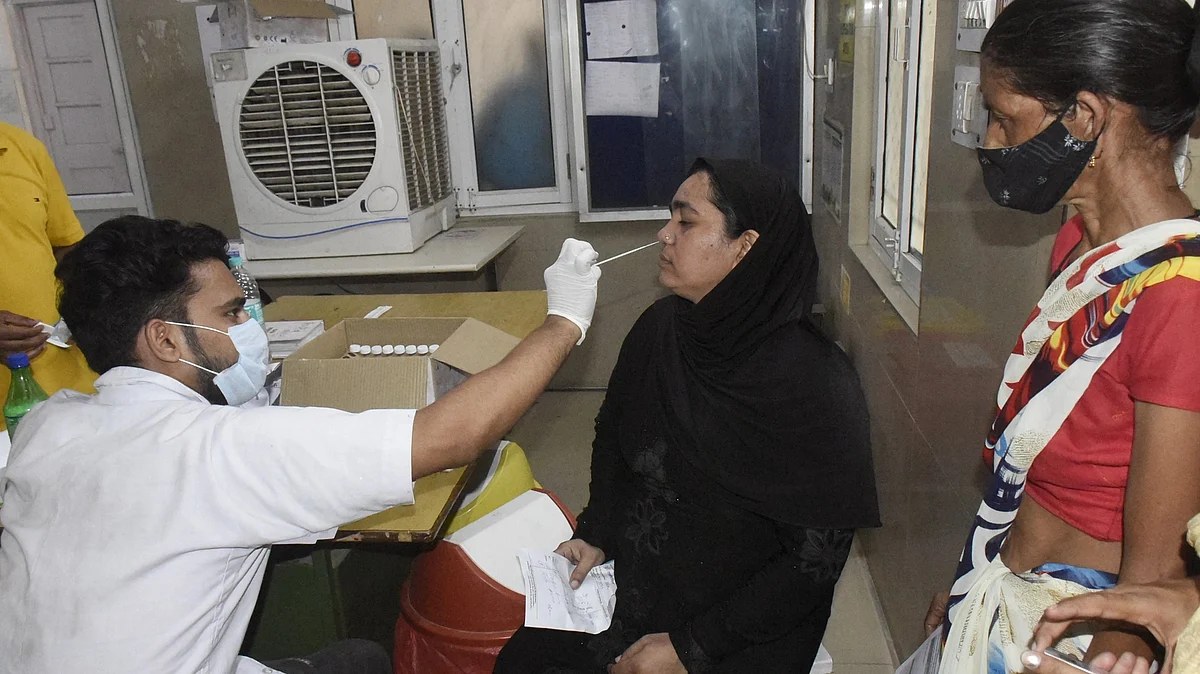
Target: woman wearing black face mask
(1095, 447)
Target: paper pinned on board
(622, 28)
(550, 603)
(614, 88)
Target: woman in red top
(1096, 443)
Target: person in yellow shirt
(37, 226)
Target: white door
(78, 113)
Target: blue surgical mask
(242, 381)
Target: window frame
(449, 29)
(892, 242)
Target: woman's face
(1015, 118)
(696, 254)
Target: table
(459, 250)
(517, 313)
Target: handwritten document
(550, 603)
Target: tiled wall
(930, 394)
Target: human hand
(571, 284)
(1164, 608)
(652, 654)
(1105, 663)
(583, 555)
(19, 334)
(937, 612)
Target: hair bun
(1193, 59)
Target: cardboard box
(259, 23)
(318, 374)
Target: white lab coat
(138, 520)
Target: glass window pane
(893, 138)
(924, 102)
(510, 94)
(411, 19)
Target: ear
(161, 343)
(1091, 115)
(745, 242)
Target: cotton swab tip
(628, 252)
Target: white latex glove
(571, 284)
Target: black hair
(733, 225)
(1135, 51)
(126, 272)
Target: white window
(904, 97)
(506, 101)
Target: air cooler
(337, 148)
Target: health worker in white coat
(138, 520)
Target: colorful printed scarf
(1074, 328)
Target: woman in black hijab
(732, 461)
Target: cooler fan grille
(307, 134)
(422, 117)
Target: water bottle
(249, 287)
(23, 392)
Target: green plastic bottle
(23, 392)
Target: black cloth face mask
(1035, 175)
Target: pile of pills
(369, 350)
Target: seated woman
(731, 463)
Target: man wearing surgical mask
(138, 520)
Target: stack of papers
(550, 603)
(287, 336)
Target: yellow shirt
(36, 218)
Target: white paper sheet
(60, 334)
(621, 89)
(550, 603)
(620, 29)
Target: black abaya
(730, 467)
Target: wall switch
(969, 119)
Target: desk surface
(458, 250)
(436, 496)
